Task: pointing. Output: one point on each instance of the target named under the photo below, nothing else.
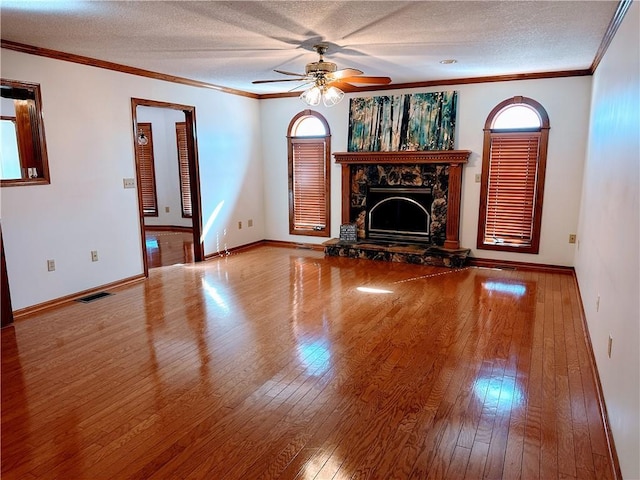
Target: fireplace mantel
(451, 157)
(454, 158)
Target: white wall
(567, 103)
(167, 173)
(88, 126)
(608, 258)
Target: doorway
(6, 316)
(170, 219)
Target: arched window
(309, 149)
(514, 158)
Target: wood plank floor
(165, 248)
(281, 363)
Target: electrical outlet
(572, 238)
(250, 222)
(239, 225)
(478, 177)
(609, 346)
(51, 265)
(129, 182)
(94, 255)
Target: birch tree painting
(419, 121)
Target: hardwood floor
(281, 363)
(165, 248)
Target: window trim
(326, 140)
(32, 149)
(489, 133)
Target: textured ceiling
(232, 43)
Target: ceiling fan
(327, 79)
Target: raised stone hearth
(397, 252)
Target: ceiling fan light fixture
(321, 75)
(312, 96)
(331, 96)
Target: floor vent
(93, 296)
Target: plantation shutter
(183, 165)
(309, 183)
(147, 172)
(513, 167)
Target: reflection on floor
(166, 248)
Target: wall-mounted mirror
(23, 151)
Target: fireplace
(410, 200)
(440, 170)
(399, 214)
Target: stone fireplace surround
(439, 170)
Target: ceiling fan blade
(368, 80)
(304, 85)
(281, 80)
(342, 85)
(345, 72)
(290, 73)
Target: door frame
(194, 173)
(6, 316)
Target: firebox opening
(399, 214)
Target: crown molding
(614, 24)
(70, 57)
(93, 62)
(450, 81)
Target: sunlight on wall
(210, 220)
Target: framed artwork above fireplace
(410, 122)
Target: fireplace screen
(400, 214)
